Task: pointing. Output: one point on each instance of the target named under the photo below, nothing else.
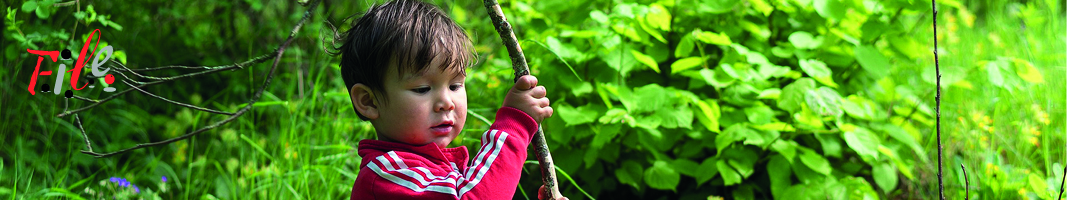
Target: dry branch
(138, 85)
(518, 63)
(937, 70)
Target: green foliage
(687, 99)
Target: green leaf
(862, 141)
(676, 117)
(857, 188)
(707, 170)
(686, 63)
(1027, 71)
(29, 6)
(792, 97)
(43, 12)
(824, 101)
(563, 50)
(709, 114)
(604, 134)
(717, 77)
(717, 6)
(686, 167)
(815, 162)
(779, 173)
(804, 40)
(831, 9)
(628, 31)
(814, 68)
(885, 175)
(659, 17)
(872, 61)
(729, 175)
(621, 59)
(898, 133)
(731, 135)
(759, 114)
(575, 116)
(1038, 185)
(649, 98)
(712, 38)
(630, 173)
(995, 74)
(861, 108)
(805, 175)
(685, 46)
(741, 159)
(661, 176)
(645, 59)
(787, 148)
(770, 93)
(599, 16)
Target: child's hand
(530, 98)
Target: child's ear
(364, 101)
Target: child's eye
(455, 87)
(421, 90)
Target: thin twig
(270, 75)
(937, 69)
(967, 181)
(518, 63)
(1062, 180)
(87, 143)
(69, 3)
(176, 102)
(172, 78)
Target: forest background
(654, 99)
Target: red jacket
(392, 170)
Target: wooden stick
(967, 181)
(518, 63)
(937, 70)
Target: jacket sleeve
(494, 172)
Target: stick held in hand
(518, 63)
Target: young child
(404, 63)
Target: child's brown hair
(404, 33)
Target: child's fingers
(526, 82)
(543, 102)
(539, 92)
(548, 112)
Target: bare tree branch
(967, 181)
(176, 102)
(518, 63)
(207, 70)
(241, 65)
(937, 69)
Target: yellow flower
(1022, 191)
(1043, 118)
(1033, 140)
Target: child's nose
(444, 103)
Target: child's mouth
(442, 129)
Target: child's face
(423, 108)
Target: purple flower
(135, 189)
(164, 178)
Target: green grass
(294, 146)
